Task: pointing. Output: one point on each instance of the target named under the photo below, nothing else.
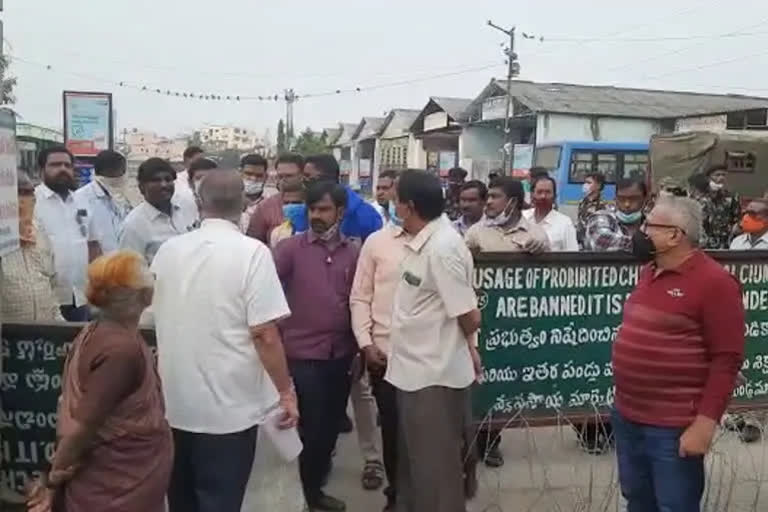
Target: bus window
(635, 165)
(606, 165)
(581, 164)
(548, 157)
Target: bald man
(221, 356)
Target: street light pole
(513, 68)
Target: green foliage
(7, 83)
(310, 143)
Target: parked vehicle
(745, 155)
(570, 161)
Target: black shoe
(346, 425)
(494, 458)
(329, 503)
(750, 434)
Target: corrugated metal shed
(407, 117)
(368, 127)
(619, 102)
(347, 130)
(454, 107)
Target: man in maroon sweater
(675, 362)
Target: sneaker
(750, 434)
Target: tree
(310, 143)
(195, 139)
(7, 83)
(281, 142)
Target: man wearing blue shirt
(360, 218)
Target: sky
(260, 48)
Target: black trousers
(386, 401)
(322, 387)
(211, 471)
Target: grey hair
(222, 194)
(687, 215)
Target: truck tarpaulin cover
(745, 155)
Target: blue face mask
(629, 218)
(294, 212)
(397, 221)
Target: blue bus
(570, 161)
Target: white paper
(286, 441)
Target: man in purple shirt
(316, 269)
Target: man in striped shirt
(675, 361)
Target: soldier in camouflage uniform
(722, 209)
(594, 183)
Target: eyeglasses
(647, 225)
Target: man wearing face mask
(558, 227)
(107, 197)
(253, 169)
(293, 213)
(675, 361)
(69, 224)
(612, 229)
(593, 186)
(724, 209)
(504, 228)
(754, 227)
(269, 212)
(28, 273)
(317, 269)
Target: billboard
(87, 122)
(9, 199)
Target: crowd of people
(312, 297)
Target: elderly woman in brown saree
(114, 449)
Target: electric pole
(290, 98)
(513, 69)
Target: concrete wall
(417, 157)
(559, 127)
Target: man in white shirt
(754, 227)
(161, 216)
(68, 223)
(191, 154)
(107, 198)
(221, 357)
(558, 226)
(434, 360)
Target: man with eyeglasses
(675, 361)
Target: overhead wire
(250, 97)
(677, 51)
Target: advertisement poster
(522, 160)
(87, 122)
(9, 199)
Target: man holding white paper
(221, 357)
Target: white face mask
(715, 186)
(253, 187)
(586, 188)
(501, 218)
